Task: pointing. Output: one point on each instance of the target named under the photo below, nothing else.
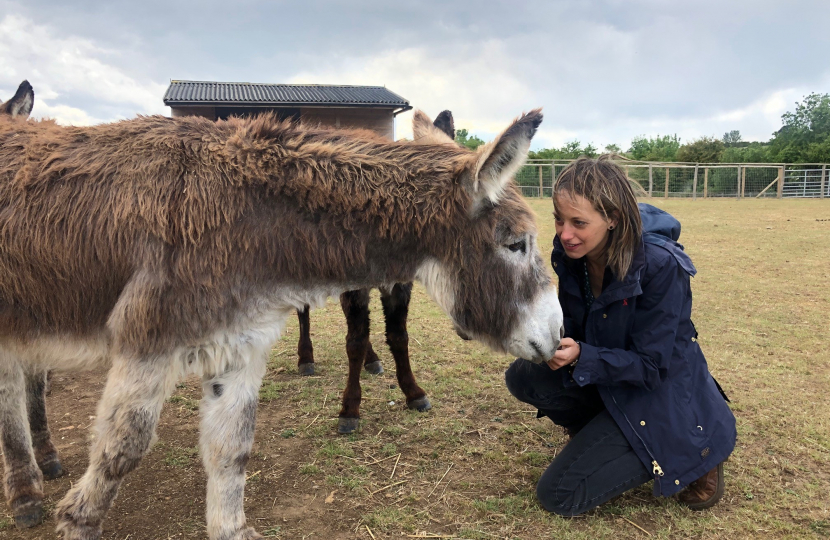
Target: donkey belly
(62, 352)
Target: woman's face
(581, 229)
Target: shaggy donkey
(29, 456)
(173, 246)
(355, 305)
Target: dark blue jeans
(598, 463)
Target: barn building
(368, 107)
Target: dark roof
(238, 93)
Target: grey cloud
(608, 68)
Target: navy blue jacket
(639, 347)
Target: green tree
(703, 150)
(731, 137)
(463, 137)
(655, 149)
(751, 152)
(612, 149)
(805, 135)
(570, 150)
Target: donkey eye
(521, 245)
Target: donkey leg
(23, 481)
(372, 363)
(125, 429)
(355, 307)
(45, 452)
(395, 310)
(305, 350)
(228, 410)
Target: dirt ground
(467, 469)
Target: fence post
(694, 187)
(781, 175)
(743, 183)
(650, 180)
(540, 181)
(823, 179)
(666, 194)
(705, 182)
(738, 187)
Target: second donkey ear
(445, 123)
(425, 131)
(500, 159)
(21, 104)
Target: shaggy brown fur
(168, 245)
(203, 214)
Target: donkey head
(490, 277)
(21, 104)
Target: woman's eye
(521, 245)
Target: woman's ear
(613, 220)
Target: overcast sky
(604, 71)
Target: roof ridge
(237, 93)
(182, 81)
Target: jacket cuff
(585, 370)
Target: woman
(629, 382)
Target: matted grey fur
(173, 246)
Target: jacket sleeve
(572, 330)
(656, 321)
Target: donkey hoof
(248, 534)
(347, 425)
(421, 404)
(30, 515)
(306, 370)
(375, 368)
(51, 470)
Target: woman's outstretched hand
(566, 355)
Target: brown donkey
(29, 456)
(355, 305)
(172, 246)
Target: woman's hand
(566, 355)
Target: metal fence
(693, 180)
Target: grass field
(468, 468)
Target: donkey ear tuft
(20, 105)
(499, 160)
(445, 123)
(421, 124)
(425, 132)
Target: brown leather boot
(705, 492)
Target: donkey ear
(445, 123)
(425, 132)
(499, 160)
(22, 102)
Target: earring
(611, 228)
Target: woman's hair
(605, 185)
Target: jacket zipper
(656, 470)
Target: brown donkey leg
(23, 481)
(372, 363)
(355, 306)
(305, 350)
(45, 452)
(395, 310)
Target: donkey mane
(351, 173)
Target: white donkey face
(494, 285)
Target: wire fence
(704, 180)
